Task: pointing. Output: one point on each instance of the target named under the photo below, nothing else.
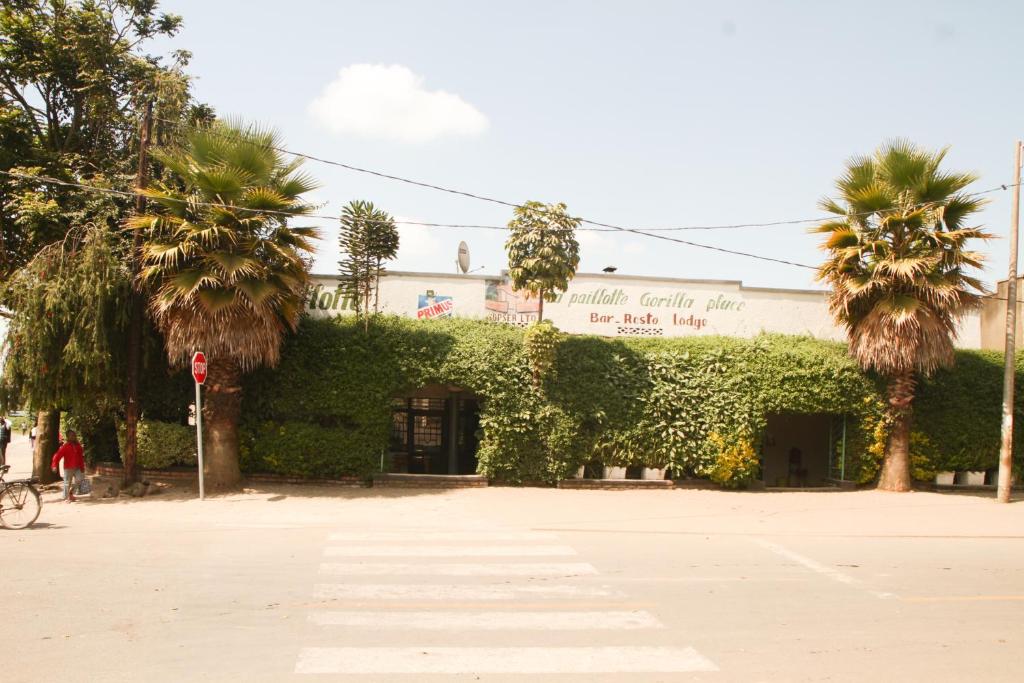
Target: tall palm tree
(901, 274)
(227, 279)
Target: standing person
(74, 465)
(32, 438)
(5, 438)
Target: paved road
(300, 583)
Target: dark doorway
(468, 421)
(796, 449)
(434, 431)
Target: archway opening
(803, 449)
(434, 430)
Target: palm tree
(225, 271)
(901, 274)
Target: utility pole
(1009, 361)
(138, 312)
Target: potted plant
(614, 472)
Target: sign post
(199, 375)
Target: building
(434, 428)
(993, 317)
(610, 305)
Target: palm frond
(900, 276)
(227, 278)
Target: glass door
(419, 435)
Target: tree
(65, 341)
(543, 253)
(73, 78)
(901, 275)
(368, 237)
(226, 279)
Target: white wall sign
(608, 305)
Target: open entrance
(801, 449)
(433, 431)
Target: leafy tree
(73, 77)
(73, 294)
(368, 237)
(226, 279)
(543, 253)
(900, 273)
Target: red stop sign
(199, 367)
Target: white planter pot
(945, 478)
(653, 473)
(614, 472)
(579, 472)
(975, 478)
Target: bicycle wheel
(19, 505)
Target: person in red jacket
(74, 465)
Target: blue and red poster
(433, 306)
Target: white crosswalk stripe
(497, 589)
(421, 536)
(457, 569)
(442, 620)
(431, 591)
(500, 660)
(448, 551)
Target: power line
(644, 232)
(606, 226)
(298, 214)
(293, 214)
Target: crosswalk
(432, 597)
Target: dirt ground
(282, 582)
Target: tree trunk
(895, 474)
(129, 457)
(222, 407)
(540, 307)
(47, 428)
(376, 289)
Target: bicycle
(19, 501)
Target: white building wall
(611, 305)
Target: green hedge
(163, 444)
(325, 411)
(958, 413)
(302, 449)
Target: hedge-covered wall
(958, 413)
(325, 411)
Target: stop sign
(199, 367)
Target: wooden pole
(1009, 360)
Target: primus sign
(431, 305)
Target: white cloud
(390, 103)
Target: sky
(639, 114)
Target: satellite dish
(463, 259)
